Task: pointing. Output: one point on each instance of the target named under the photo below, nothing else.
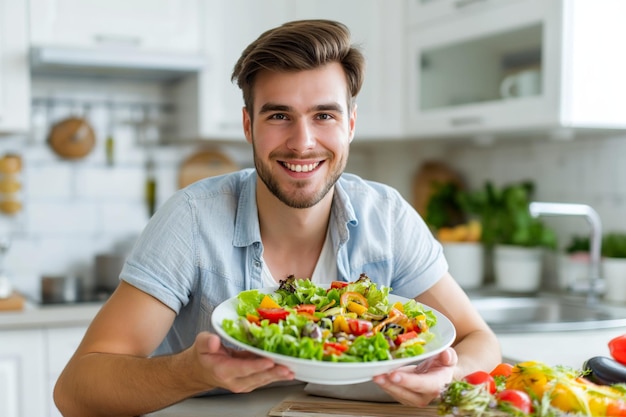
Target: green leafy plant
(445, 206)
(505, 216)
(614, 245)
(578, 244)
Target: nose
(301, 136)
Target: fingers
(420, 385)
(236, 371)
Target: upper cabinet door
(530, 65)
(212, 104)
(151, 25)
(14, 75)
(422, 12)
(377, 27)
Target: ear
(247, 124)
(352, 122)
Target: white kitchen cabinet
(14, 78)
(215, 107)
(151, 25)
(457, 65)
(377, 27)
(423, 12)
(22, 365)
(61, 345)
(210, 105)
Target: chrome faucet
(595, 244)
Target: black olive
(605, 371)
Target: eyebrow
(271, 107)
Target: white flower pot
(614, 271)
(573, 271)
(465, 263)
(517, 268)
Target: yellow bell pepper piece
(356, 308)
(268, 302)
(398, 306)
(340, 324)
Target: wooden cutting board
(204, 164)
(13, 303)
(303, 405)
(427, 177)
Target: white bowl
(338, 373)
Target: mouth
(301, 167)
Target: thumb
(449, 357)
(208, 343)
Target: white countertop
(558, 348)
(53, 315)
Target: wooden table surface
(287, 401)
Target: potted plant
(449, 217)
(614, 266)
(516, 238)
(574, 264)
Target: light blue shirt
(204, 246)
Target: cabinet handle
(117, 39)
(466, 121)
(464, 3)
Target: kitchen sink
(546, 314)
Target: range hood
(128, 63)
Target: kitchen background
(75, 209)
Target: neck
(281, 223)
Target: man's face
(301, 132)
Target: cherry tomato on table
(617, 347)
(481, 378)
(616, 408)
(518, 399)
(503, 369)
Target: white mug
(521, 84)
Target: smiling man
(297, 213)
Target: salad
(348, 322)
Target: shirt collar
(247, 230)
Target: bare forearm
(99, 384)
(479, 350)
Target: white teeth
(301, 168)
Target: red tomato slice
(274, 315)
(306, 308)
(481, 378)
(338, 284)
(616, 408)
(617, 347)
(503, 369)
(405, 336)
(334, 348)
(518, 399)
(358, 327)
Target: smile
(301, 168)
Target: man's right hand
(235, 370)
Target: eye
(278, 116)
(325, 116)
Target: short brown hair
(297, 46)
